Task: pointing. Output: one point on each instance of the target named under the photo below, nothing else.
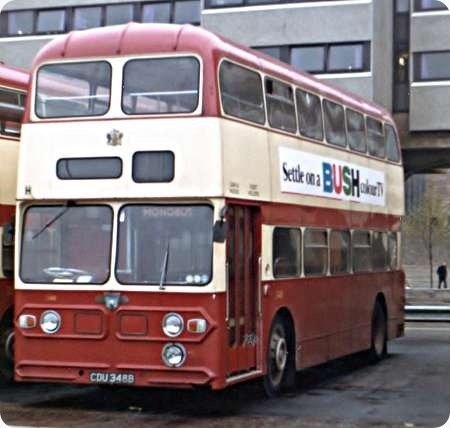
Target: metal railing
(438, 313)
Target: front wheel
(378, 343)
(277, 359)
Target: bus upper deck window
(334, 123)
(73, 89)
(356, 131)
(161, 85)
(375, 138)
(241, 92)
(280, 105)
(309, 111)
(391, 143)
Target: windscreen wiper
(165, 263)
(59, 214)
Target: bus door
(243, 249)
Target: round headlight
(173, 355)
(172, 325)
(50, 322)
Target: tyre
(280, 363)
(7, 354)
(378, 343)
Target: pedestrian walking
(442, 275)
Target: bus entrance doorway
(243, 249)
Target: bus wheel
(7, 354)
(277, 359)
(378, 344)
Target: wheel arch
(8, 317)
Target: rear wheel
(280, 369)
(378, 344)
(7, 354)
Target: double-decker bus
(194, 213)
(13, 89)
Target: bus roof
(14, 77)
(138, 39)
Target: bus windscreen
(175, 240)
(66, 244)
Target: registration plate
(112, 378)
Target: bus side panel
(333, 315)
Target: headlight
(173, 355)
(172, 325)
(50, 322)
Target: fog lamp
(173, 355)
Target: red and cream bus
(194, 213)
(13, 89)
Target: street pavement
(411, 388)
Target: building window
(311, 59)
(402, 6)
(119, 14)
(51, 21)
(428, 5)
(332, 58)
(273, 51)
(223, 3)
(20, 23)
(156, 12)
(430, 66)
(187, 12)
(286, 252)
(48, 21)
(230, 3)
(347, 58)
(401, 56)
(87, 17)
